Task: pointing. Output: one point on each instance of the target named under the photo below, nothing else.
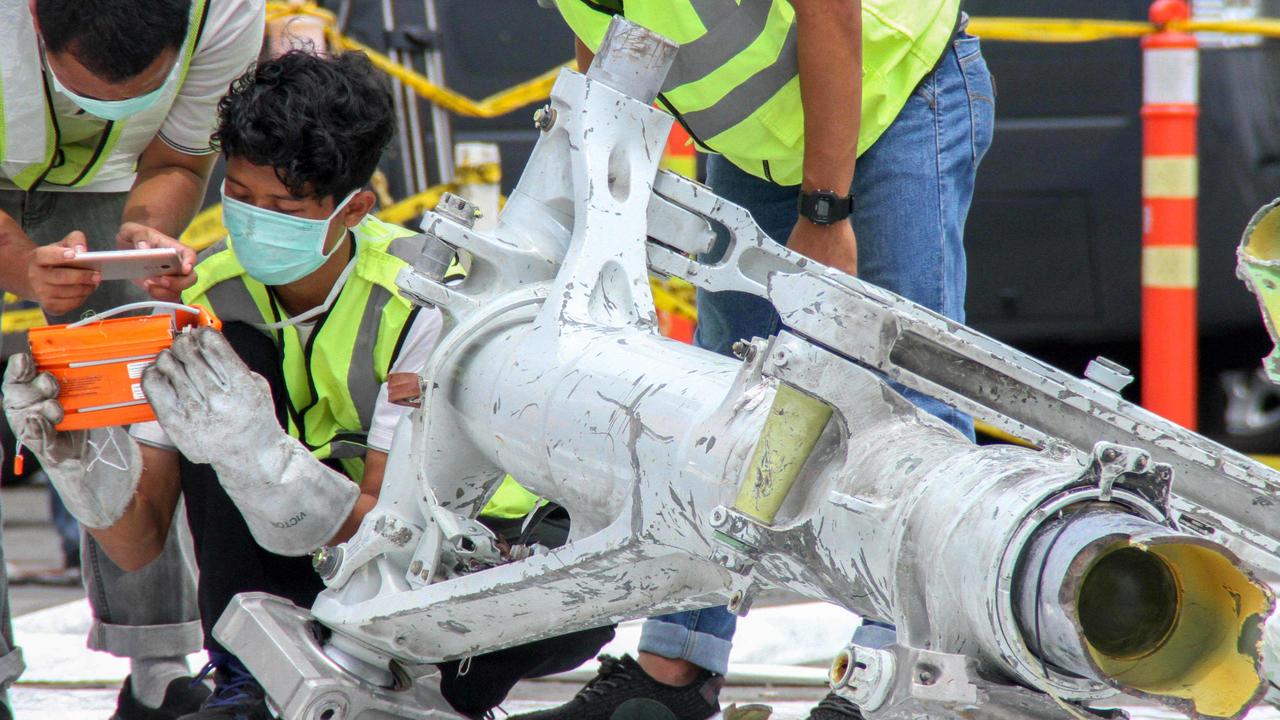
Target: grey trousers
(151, 612)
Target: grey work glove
(95, 471)
(217, 411)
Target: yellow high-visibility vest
(735, 84)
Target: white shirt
(420, 341)
(229, 45)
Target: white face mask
(317, 310)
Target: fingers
(19, 395)
(57, 287)
(220, 356)
(136, 236)
(207, 380)
(74, 242)
(161, 287)
(158, 386)
(21, 369)
(176, 373)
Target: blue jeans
(911, 191)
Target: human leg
(149, 616)
(702, 638)
(11, 665)
(478, 684)
(913, 190)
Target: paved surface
(66, 682)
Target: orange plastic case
(99, 365)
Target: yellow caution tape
(19, 320)
(530, 91)
(1059, 30)
(412, 207)
(1050, 30)
(674, 296)
(207, 228)
(481, 174)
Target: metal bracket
(1109, 374)
(1111, 465)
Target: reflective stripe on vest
(735, 81)
(31, 151)
(332, 383)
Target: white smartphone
(129, 264)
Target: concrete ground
(48, 693)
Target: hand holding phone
(129, 264)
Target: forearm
(15, 253)
(165, 198)
(829, 42)
(375, 466)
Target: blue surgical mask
(113, 110)
(275, 248)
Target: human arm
(166, 195)
(583, 55)
(375, 464)
(829, 46)
(169, 188)
(99, 473)
(217, 411)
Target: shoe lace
(232, 684)
(612, 673)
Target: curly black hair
(106, 36)
(321, 122)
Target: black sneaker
(183, 695)
(236, 695)
(622, 690)
(834, 707)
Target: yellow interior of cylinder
(1211, 656)
(1263, 239)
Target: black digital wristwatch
(824, 207)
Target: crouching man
(275, 432)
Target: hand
(60, 289)
(216, 410)
(208, 401)
(832, 245)
(133, 236)
(95, 471)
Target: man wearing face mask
(276, 431)
(106, 108)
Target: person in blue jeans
(916, 144)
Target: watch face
(822, 208)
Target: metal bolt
(740, 349)
(415, 567)
(719, 517)
(925, 677)
(1166, 472)
(1109, 455)
(780, 360)
(1140, 463)
(326, 561)
(544, 118)
(401, 640)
